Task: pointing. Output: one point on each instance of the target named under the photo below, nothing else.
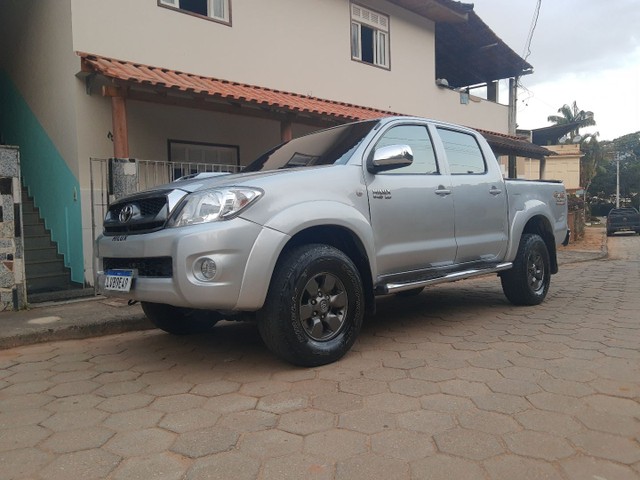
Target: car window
(463, 152)
(417, 137)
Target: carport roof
(162, 81)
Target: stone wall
(13, 290)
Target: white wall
(301, 47)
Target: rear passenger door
(479, 199)
(411, 207)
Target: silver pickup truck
(311, 232)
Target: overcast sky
(583, 50)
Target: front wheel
(180, 321)
(314, 307)
(527, 283)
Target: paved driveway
(452, 384)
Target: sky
(582, 50)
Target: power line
(532, 29)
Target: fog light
(205, 269)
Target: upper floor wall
(302, 47)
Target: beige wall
(37, 54)
(302, 47)
(565, 166)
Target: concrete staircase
(47, 277)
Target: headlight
(214, 205)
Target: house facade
(220, 81)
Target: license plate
(118, 280)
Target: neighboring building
(563, 163)
(216, 82)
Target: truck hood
(204, 182)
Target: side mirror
(390, 158)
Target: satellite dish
(577, 139)
(563, 140)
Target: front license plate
(118, 280)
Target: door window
(416, 137)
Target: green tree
(571, 114)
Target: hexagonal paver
(133, 419)
(580, 468)
(444, 467)
(512, 466)
(445, 403)
(201, 443)
(550, 422)
(22, 437)
(140, 442)
(187, 420)
(607, 446)
(426, 421)
(469, 444)
(282, 402)
(297, 466)
(270, 443)
(263, 388)
(176, 403)
(413, 387)
(501, 403)
(304, 422)
(232, 402)
(488, 422)
(371, 467)
(538, 445)
(338, 402)
(609, 422)
(161, 465)
(87, 464)
(75, 440)
(249, 420)
(392, 402)
(402, 444)
(223, 466)
(335, 444)
(367, 421)
(59, 422)
(123, 403)
(363, 386)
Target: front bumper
(228, 243)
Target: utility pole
(618, 158)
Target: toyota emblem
(126, 213)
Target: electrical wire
(532, 29)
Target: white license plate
(118, 280)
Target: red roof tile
(287, 101)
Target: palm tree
(572, 114)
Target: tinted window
(463, 152)
(416, 137)
(326, 147)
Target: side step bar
(451, 277)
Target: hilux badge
(126, 214)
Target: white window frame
(212, 5)
(379, 23)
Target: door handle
(495, 191)
(443, 192)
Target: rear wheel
(314, 307)
(527, 283)
(180, 321)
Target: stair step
(48, 282)
(32, 255)
(37, 241)
(35, 230)
(75, 291)
(45, 267)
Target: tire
(314, 307)
(527, 283)
(410, 293)
(180, 321)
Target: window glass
(369, 36)
(463, 152)
(416, 137)
(215, 9)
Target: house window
(187, 158)
(369, 36)
(219, 10)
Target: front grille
(146, 214)
(159, 267)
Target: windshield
(326, 147)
